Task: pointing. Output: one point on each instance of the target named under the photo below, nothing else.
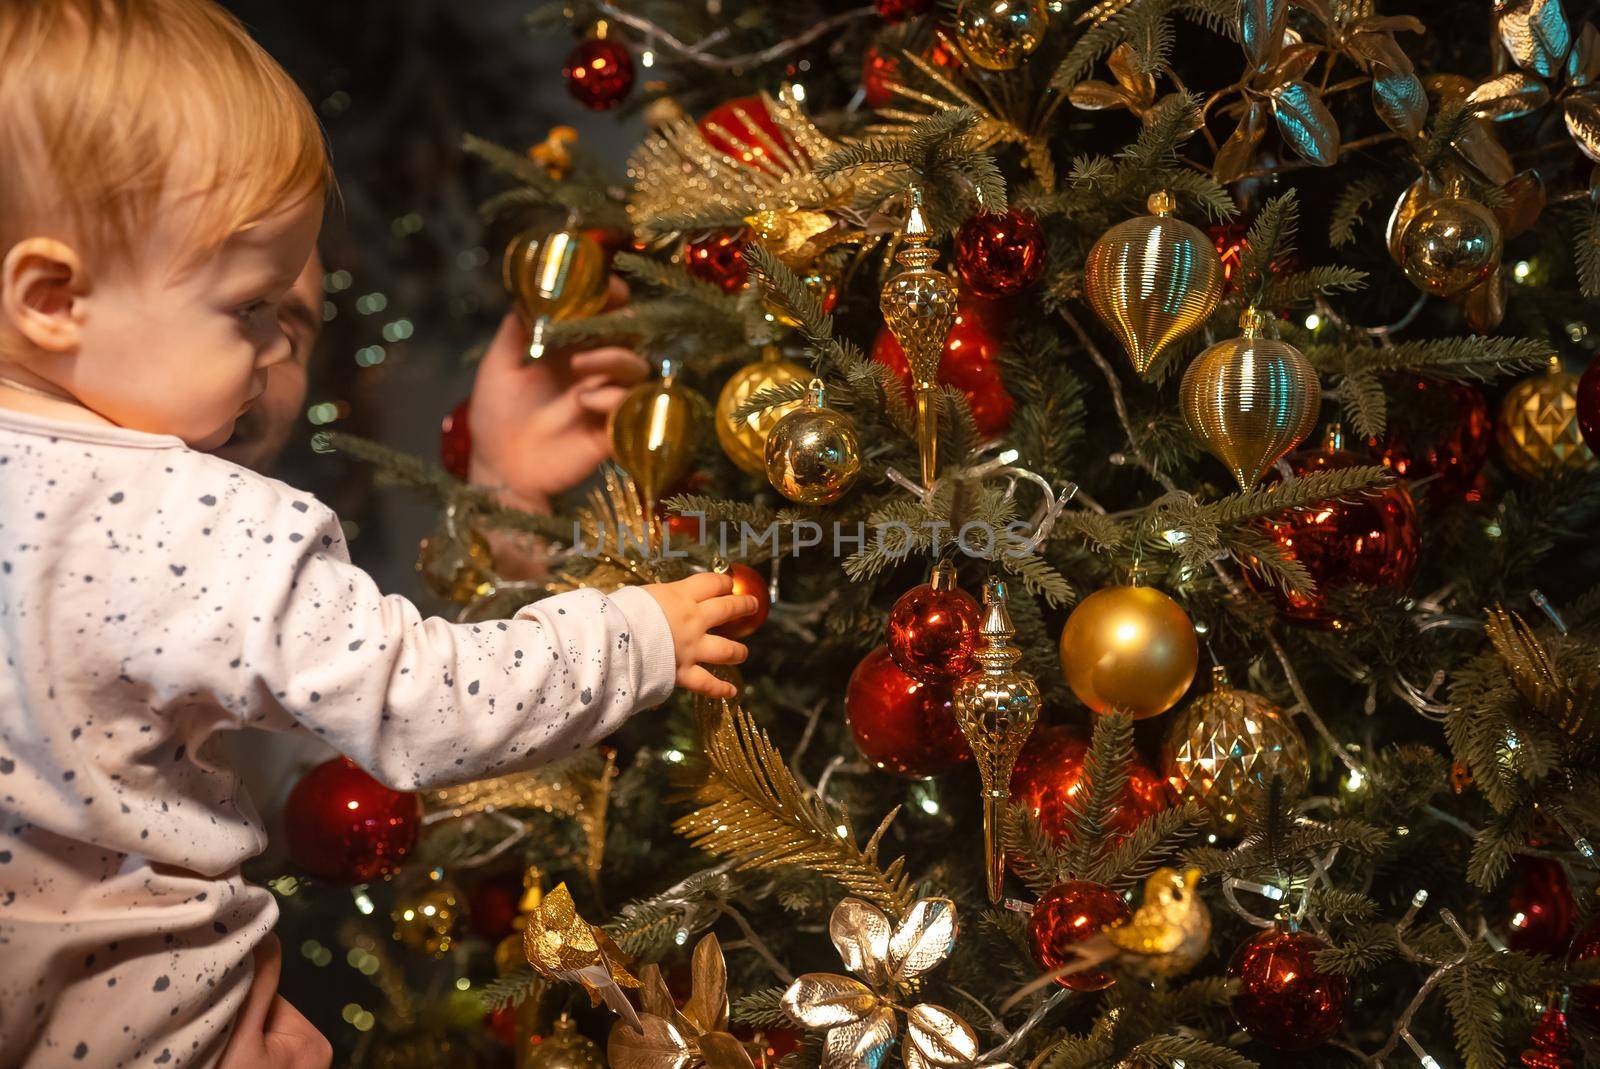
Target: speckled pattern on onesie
(152, 596)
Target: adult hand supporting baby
(269, 1033)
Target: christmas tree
(1036, 361)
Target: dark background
(397, 84)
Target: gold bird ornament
(561, 945)
(1167, 936)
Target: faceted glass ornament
(919, 307)
(933, 628)
(1283, 999)
(812, 455)
(1067, 914)
(1225, 747)
(1151, 280)
(1250, 399)
(1450, 245)
(998, 35)
(1538, 431)
(900, 725)
(999, 253)
(1372, 540)
(745, 440)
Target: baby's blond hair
(100, 100)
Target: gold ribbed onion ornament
(554, 276)
(1153, 279)
(1250, 400)
(1538, 427)
(654, 430)
(919, 307)
(1222, 750)
(745, 440)
(813, 455)
(998, 35)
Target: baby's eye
(250, 311)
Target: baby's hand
(693, 607)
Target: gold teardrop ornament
(1153, 279)
(653, 433)
(1250, 400)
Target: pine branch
(1349, 208)
(1361, 953)
(943, 158)
(1463, 358)
(1128, 21)
(760, 1009)
(1105, 777)
(1190, 1051)
(754, 812)
(1586, 248)
(1365, 403)
(1153, 842)
(1038, 861)
(1271, 236)
(1283, 290)
(1040, 577)
(671, 277)
(511, 989)
(513, 165)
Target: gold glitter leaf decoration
(561, 945)
(753, 811)
(1572, 703)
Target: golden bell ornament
(919, 307)
(812, 454)
(564, 1048)
(997, 707)
(654, 431)
(455, 571)
(554, 276)
(428, 920)
(745, 440)
(998, 35)
(1224, 748)
(1153, 279)
(1538, 428)
(1450, 245)
(1250, 400)
(1129, 649)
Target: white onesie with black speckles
(152, 596)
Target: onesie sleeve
(421, 702)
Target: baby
(163, 182)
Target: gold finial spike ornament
(653, 432)
(919, 307)
(997, 707)
(1250, 400)
(1153, 279)
(555, 276)
(812, 454)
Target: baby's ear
(42, 283)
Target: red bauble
(900, 725)
(719, 260)
(971, 363)
(492, 905)
(1589, 406)
(933, 629)
(745, 130)
(1371, 539)
(746, 580)
(1069, 913)
(1284, 1000)
(879, 71)
(1550, 1043)
(1539, 908)
(346, 827)
(1446, 435)
(767, 1046)
(900, 10)
(1586, 947)
(1049, 773)
(1232, 242)
(502, 1023)
(1000, 253)
(599, 73)
(455, 441)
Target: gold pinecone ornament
(1225, 746)
(1153, 279)
(919, 307)
(745, 440)
(812, 454)
(1538, 427)
(997, 708)
(1250, 400)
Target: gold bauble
(997, 707)
(919, 307)
(745, 440)
(812, 453)
(998, 35)
(1538, 426)
(1249, 400)
(1129, 649)
(565, 1048)
(1224, 748)
(654, 431)
(1152, 279)
(427, 920)
(1417, 195)
(456, 571)
(821, 282)
(1450, 245)
(554, 276)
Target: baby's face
(170, 349)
